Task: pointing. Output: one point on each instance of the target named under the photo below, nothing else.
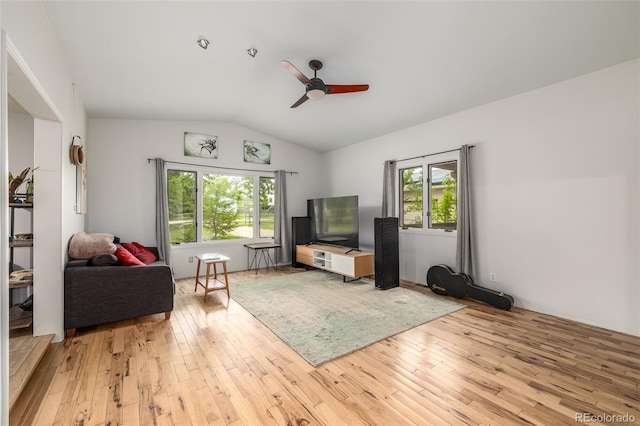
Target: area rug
(323, 318)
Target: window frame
(196, 202)
(199, 208)
(401, 196)
(430, 191)
(426, 163)
(258, 218)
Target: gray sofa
(100, 294)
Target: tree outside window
(443, 189)
(267, 199)
(411, 195)
(227, 207)
(181, 188)
(232, 207)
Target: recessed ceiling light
(203, 42)
(252, 52)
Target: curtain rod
(149, 160)
(431, 155)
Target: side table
(212, 283)
(262, 250)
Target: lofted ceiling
(422, 59)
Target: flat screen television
(334, 221)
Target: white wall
(556, 195)
(49, 251)
(49, 78)
(121, 198)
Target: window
(431, 200)
(212, 207)
(411, 197)
(181, 188)
(227, 207)
(267, 199)
(443, 195)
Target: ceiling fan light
(315, 94)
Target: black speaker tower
(387, 262)
(300, 234)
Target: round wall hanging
(77, 156)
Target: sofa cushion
(150, 256)
(86, 246)
(126, 258)
(74, 263)
(104, 259)
(145, 255)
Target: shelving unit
(321, 259)
(19, 318)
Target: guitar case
(442, 280)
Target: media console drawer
(355, 264)
(303, 258)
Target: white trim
(4, 236)
(22, 64)
(429, 231)
(48, 134)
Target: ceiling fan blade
(300, 101)
(333, 89)
(296, 72)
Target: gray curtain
(281, 228)
(389, 189)
(465, 259)
(162, 212)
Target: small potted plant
(29, 196)
(17, 181)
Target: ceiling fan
(315, 88)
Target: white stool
(213, 259)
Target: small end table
(262, 249)
(213, 259)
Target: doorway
(29, 108)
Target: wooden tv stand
(354, 264)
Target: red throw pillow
(126, 258)
(148, 256)
(145, 255)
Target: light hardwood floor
(25, 353)
(210, 364)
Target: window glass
(411, 196)
(227, 207)
(267, 197)
(429, 201)
(212, 207)
(443, 188)
(181, 187)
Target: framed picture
(199, 145)
(257, 152)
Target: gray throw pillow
(104, 259)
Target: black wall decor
(387, 263)
(300, 234)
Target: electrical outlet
(493, 276)
(190, 259)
